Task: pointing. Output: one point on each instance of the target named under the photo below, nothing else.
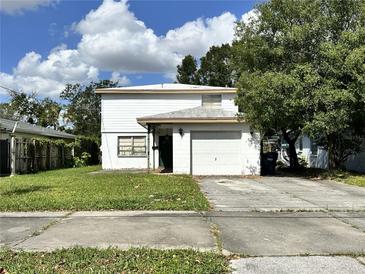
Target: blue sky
(47, 43)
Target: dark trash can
(268, 163)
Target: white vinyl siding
(131, 146)
(120, 111)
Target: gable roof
(199, 114)
(26, 128)
(166, 89)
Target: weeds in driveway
(77, 189)
(91, 260)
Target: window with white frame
(211, 99)
(131, 146)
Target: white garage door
(216, 153)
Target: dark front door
(4, 157)
(165, 149)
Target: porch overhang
(196, 115)
(217, 120)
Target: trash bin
(268, 163)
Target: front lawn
(347, 177)
(90, 260)
(77, 189)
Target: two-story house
(184, 129)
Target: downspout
(154, 146)
(148, 147)
(12, 150)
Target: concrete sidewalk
(298, 265)
(124, 229)
(248, 233)
(252, 234)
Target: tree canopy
(215, 68)
(29, 108)
(83, 108)
(301, 67)
(186, 72)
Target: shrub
(82, 160)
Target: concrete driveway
(268, 194)
(278, 216)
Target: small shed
(26, 148)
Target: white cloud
(250, 16)
(122, 79)
(49, 76)
(19, 6)
(196, 37)
(114, 39)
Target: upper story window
(211, 99)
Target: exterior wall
(120, 111)
(182, 147)
(110, 158)
(354, 163)
(319, 160)
(228, 102)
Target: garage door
(216, 153)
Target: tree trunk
(293, 157)
(332, 163)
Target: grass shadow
(26, 190)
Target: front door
(165, 151)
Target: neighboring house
(186, 129)
(308, 150)
(18, 153)
(317, 156)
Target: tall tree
(293, 50)
(29, 108)
(186, 72)
(270, 53)
(215, 67)
(48, 113)
(338, 120)
(84, 107)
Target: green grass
(346, 177)
(90, 260)
(77, 189)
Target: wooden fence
(33, 156)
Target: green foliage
(84, 107)
(79, 189)
(215, 68)
(112, 260)
(83, 160)
(91, 145)
(302, 70)
(48, 113)
(186, 72)
(351, 178)
(29, 108)
(50, 141)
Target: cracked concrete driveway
(281, 194)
